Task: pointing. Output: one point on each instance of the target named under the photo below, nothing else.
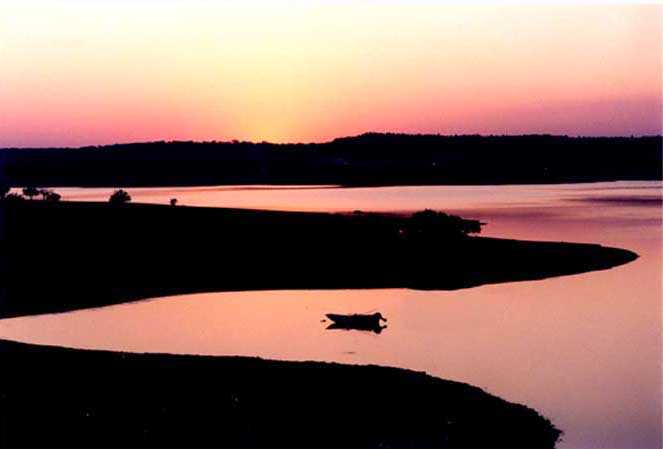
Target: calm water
(584, 350)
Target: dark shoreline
(59, 397)
(94, 254)
(62, 256)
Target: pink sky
(76, 73)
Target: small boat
(370, 322)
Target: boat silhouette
(370, 322)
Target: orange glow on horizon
(77, 73)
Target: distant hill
(368, 159)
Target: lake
(583, 350)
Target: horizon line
(326, 142)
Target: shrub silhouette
(119, 197)
(52, 197)
(13, 197)
(44, 193)
(31, 192)
(428, 223)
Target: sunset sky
(76, 73)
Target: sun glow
(78, 73)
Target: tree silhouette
(173, 201)
(119, 197)
(44, 193)
(31, 192)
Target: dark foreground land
(64, 256)
(369, 159)
(57, 256)
(71, 398)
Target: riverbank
(53, 397)
(63, 256)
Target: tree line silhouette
(117, 197)
(30, 193)
(368, 159)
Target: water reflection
(384, 199)
(376, 329)
(584, 350)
